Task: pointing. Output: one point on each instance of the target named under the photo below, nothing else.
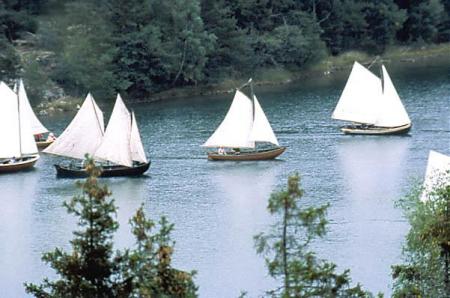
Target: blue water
(218, 207)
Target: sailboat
(371, 104)
(37, 128)
(118, 150)
(437, 174)
(18, 151)
(244, 125)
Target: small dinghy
(37, 128)
(372, 105)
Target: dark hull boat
(23, 163)
(252, 155)
(375, 130)
(71, 171)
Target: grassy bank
(401, 56)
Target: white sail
(234, 131)
(437, 174)
(27, 111)
(115, 145)
(261, 130)
(9, 123)
(27, 142)
(137, 149)
(84, 133)
(392, 113)
(359, 97)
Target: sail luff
(437, 174)
(27, 111)
(137, 149)
(235, 128)
(84, 133)
(359, 97)
(9, 123)
(115, 145)
(392, 113)
(261, 130)
(27, 143)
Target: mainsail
(235, 129)
(365, 100)
(437, 174)
(84, 133)
(115, 145)
(261, 130)
(14, 128)
(137, 149)
(9, 123)
(392, 113)
(358, 100)
(27, 111)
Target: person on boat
(221, 151)
(51, 137)
(38, 137)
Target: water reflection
(372, 168)
(17, 194)
(243, 189)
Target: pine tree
(93, 270)
(286, 252)
(426, 271)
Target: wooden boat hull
(24, 163)
(374, 130)
(43, 144)
(258, 155)
(107, 171)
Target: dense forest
(140, 47)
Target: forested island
(140, 48)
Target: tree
(426, 271)
(160, 44)
(92, 269)
(150, 263)
(84, 51)
(286, 252)
(422, 20)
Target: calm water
(218, 207)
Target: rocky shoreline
(400, 57)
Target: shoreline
(403, 58)
(400, 57)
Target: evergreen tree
(426, 272)
(422, 20)
(160, 44)
(93, 270)
(286, 252)
(233, 50)
(85, 51)
(150, 263)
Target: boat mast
(18, 114)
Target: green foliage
(423, 20)
(84, 48)
(92, 269)
(160, 44)
(150, 262)
(141, 47)
(9, 60)
(426, 271)
(287, 254)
